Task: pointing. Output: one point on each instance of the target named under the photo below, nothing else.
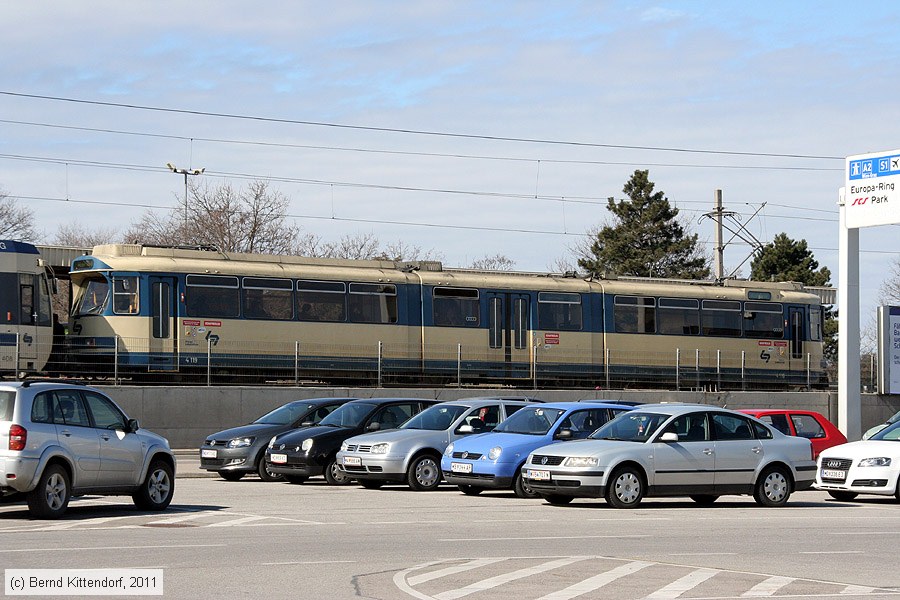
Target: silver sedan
(674, 450)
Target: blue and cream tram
(26, 318)
(183, 312)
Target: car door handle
(707, 451)
(756, 450)
(66, 433)
(104, 437)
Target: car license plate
(538, 475)
(834, 474)
(278, 458)
(354, 461)
(208, 453)
(461, 467)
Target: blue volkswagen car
(494, 460)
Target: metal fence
(300, 363)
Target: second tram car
(140, 310)
(26, 317)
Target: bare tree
(890, 287)
(362, 246)
(498, 262)
(16, 222)
(76, 235)
(232, 220)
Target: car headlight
(344, 446)
(307, 444)
(449, 450)
(239, 442)
(580, 461)
(381, 448)
(495, 453)
(880, 461)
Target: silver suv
(60, 440)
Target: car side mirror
(133, 425)
(373, 426)
(668, 437)
(564, 434)
(464, 429)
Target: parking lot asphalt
(188, 464)
(277, 540)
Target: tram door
(28, 320)
(798, 355)
(508, 333)
(163, 346)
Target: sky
(467, 129)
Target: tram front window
(94, 298)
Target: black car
(238, 451)
(299, 455)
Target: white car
(698, 451)
(871, 466)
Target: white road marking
(180, 518)
(309, 562)
(685, 584)
(107, 548)
(472, 564)
(834, 552)
(596, 582)
(857, 589)
(768, 587)
(234, 522)
(545, 537)
(492, 582)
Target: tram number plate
(353, 461)
(461, 467)
(834, 474)
(538, 475)
(208, 453)
(278, 458)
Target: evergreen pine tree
(646, 238)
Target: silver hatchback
(61, 440)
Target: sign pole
(849, 410)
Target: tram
(183, 313)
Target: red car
(802, 423)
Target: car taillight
(17, 437)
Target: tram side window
(45, 308)
(266, 298)
(455, 307)
(721, 318)
(634, 314)
(212, 296)
(373, 303)
(764, 320)
(679, 316)
(321, 301)
(125, 295)
(559, 311)
(815, 324)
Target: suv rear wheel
(156, 491)
(50, 498)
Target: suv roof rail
(28, 382)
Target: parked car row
(621, 452)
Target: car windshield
(436, 418)
(284, 415)
(348, 415)
(895, 418)
(531, 420)
(630, 427)
(891, 433)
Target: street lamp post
(185, 172)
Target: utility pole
(185, 172)
(720, 247)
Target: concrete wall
(186, 415)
